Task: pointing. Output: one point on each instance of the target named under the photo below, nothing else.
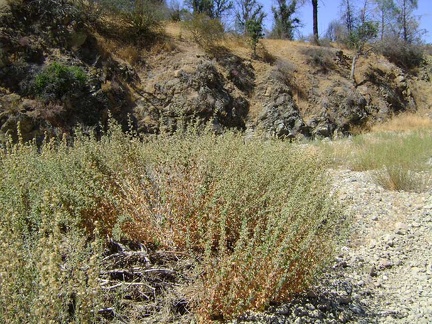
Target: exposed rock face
(343, 106)
(189, 95)
(168, 89)
(280, 116)
(387, 90)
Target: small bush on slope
(258, 218)
(57, 80)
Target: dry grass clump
(205, 31)
(404, 122)
(257, 218)
(399, 161)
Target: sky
(330, 10)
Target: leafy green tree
(248, 10)
(201, 7)
(254, 30)
(285, 24)
(211, 8)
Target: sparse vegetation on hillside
(255, 222)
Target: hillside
(119, 212)
(291, 89)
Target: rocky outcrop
(168, 89)
(280, 116)
(201, 94)
(387, 90)
(343, 106)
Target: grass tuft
(398, 161)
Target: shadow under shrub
(258, 218)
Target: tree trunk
(404, 21)
(315, 20)
(353, 66)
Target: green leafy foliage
(362, 34)
(285, 23)
(254, 30)
(57, 80)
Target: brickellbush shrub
(257, 218)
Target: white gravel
(390, 251)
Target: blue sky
(329, 10)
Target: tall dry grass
(398, 160)
(404, 122)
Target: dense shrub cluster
(404, 55)
(57, 80)
(321, 58)
(257, 218)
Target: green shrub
(57, 80)
(257, 220)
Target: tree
(365, 12)
(220, 7)
(315, 20)
(211, 8)
(358, 38)
(201, 7)
(248, 10)
(348, 15)
(408, 24)
(336, 31)
(254, 30)
(284, 23)
(386, 11)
